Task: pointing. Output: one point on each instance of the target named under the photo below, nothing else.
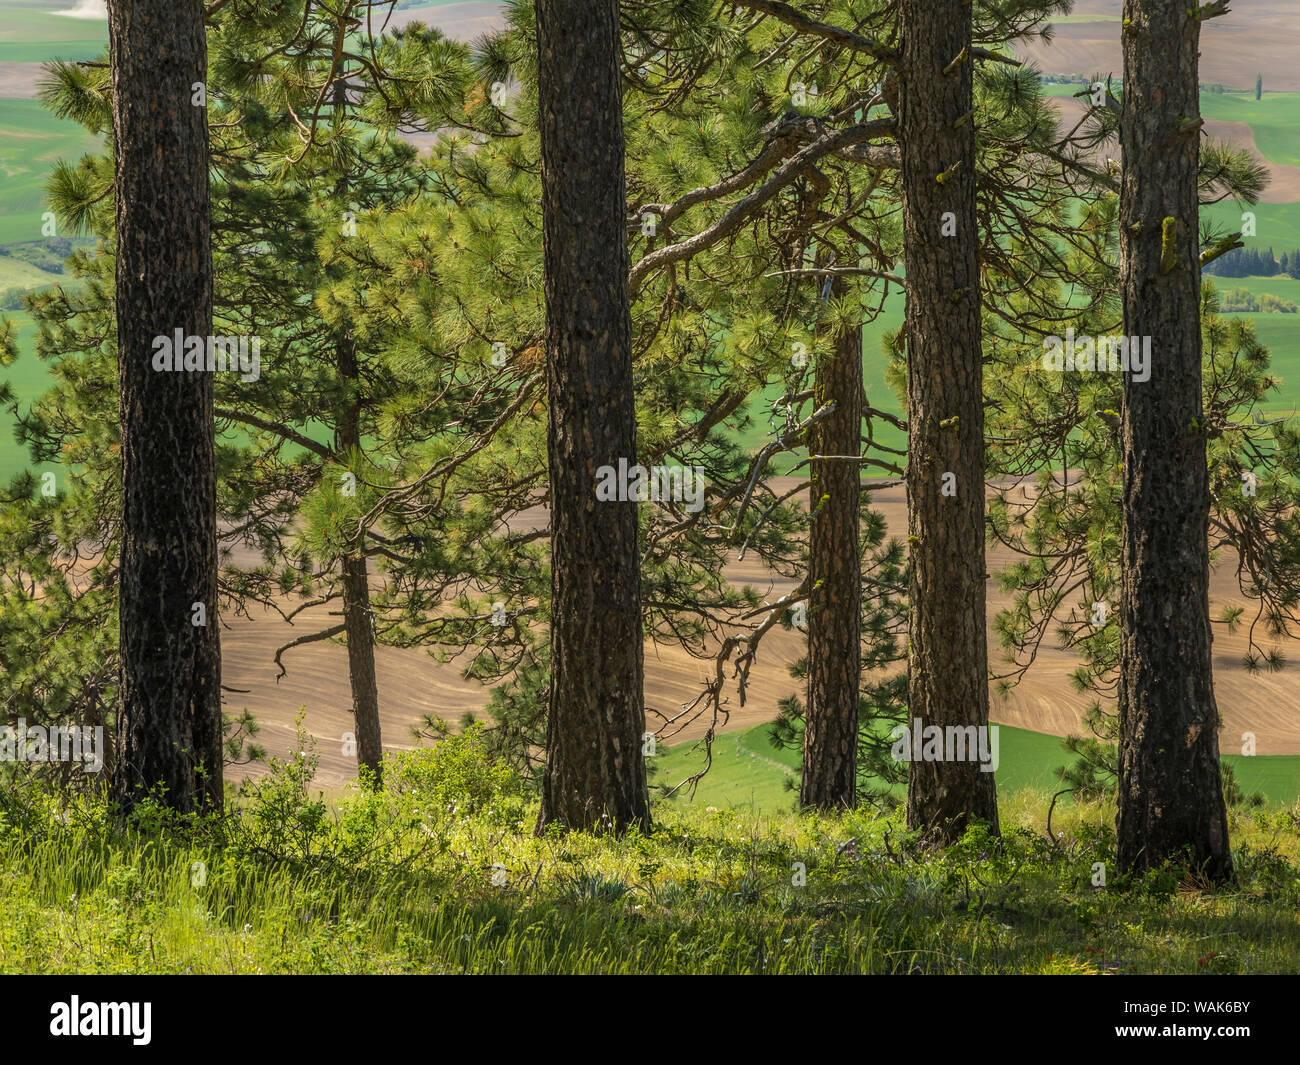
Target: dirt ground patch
(1283, 180)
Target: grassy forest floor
(441, 873)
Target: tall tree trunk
(830, 741)
(595, 771)
(947, 653)
(358, 623)
(1170, 795)
(169, 718)
(359, 627)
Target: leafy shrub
(1243, 301)
(461, 776)
(280, 818)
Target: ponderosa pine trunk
(169, 714)
(358, 622)
(1170, 795)
(359, 628)
(595, 775)
(830, 739)
(947, 653)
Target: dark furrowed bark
(357, 618)
(830, 740)
(169, 720)
(1170, 797)
(947, 653)
(595, 775)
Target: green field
(28, 378)
(1274, 119)
(1287, 288)
(749, 773)
(31, 142)
(15, 273)
(34, 33)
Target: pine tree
(595, 770)
(693, 386)
(1170, 795)
(830, 743)
(310, 442)
(947, 650)
(169, 717)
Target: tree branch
(745, 208)
(275, 427)
(787, 14)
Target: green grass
(441, 873)
(749, 774)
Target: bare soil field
(1283, 179)
(413, 683)
(18, 80)
(1259, 36)
(461, 22)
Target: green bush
(460, 777)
